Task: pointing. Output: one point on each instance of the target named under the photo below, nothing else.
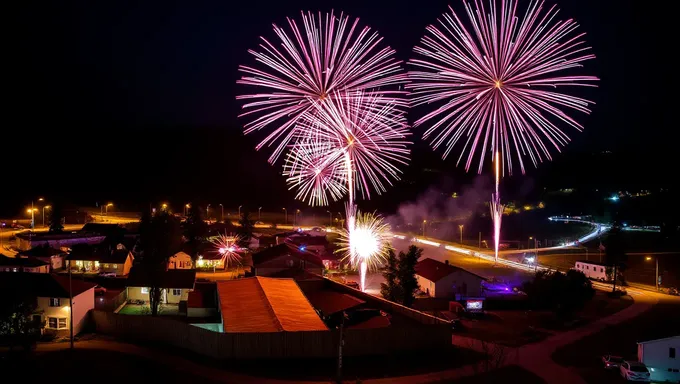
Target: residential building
(51, 295)
(54, 257)
(27, 240)
(285, 260)
(175, 283)
(307, 242)
(661, 358)
(23, 264)
(202, 300)
(443, 280)
(594, 270)
(89, 259)
(180, 260)
(262, 304)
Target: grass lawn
(510, 374)
(134, 309)
(97, 366)
(584, 355)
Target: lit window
(52, 322)
(671, 353)
(62, 322)
(114, 266)
(145, 291)
(54, 302)
(176, 292)
(106, 265)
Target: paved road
(8, 232)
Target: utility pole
(461, 233)
(657, 272)
(259, 214)
(340, 345)
(424, 223)
(70, 303)
(330, 218)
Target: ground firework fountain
(496, 211)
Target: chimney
(446, 262)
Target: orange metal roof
(263, 304)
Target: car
(352, 284)
(634, 371)
(611, 362)
(673, 291)
(99, 290)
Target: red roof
(373, 322)
(203, 295)
(330, 302)
(434, 270)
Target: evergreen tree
(390, 289)
(615, 254)
(246, 226)
(407, 274)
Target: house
(54, 257)
(27, 240)
(51, 294)
(306, 242)
(444, 280)
(285, 259)
(594, 270)
(180, 260)
(23, 264)
(175, 283)
(661, 358)
(263, 304)
(89, 259)
(202, 301)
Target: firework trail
(327, 55)
(227, 246)
(498, 81)
(496, 210)
(365, 244)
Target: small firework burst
(227, 246)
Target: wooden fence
(358, 342)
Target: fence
(268, 345)
(110, 303)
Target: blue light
(302, 248)
(614, 198)
(625, 225)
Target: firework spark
(498, 81)
(328, 55)
(227, 246)
(365, 244)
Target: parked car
(673, 291)
(99, 290)
(611, 362)
(352, 284)
(634, 371)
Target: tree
(17, 326)
(246, 226)
(563, 293)
(56, 218)
(615, 253)
(160, 236)
(390, 289)
(195, 228)
(407, 274)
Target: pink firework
(498, 81)
(328, 55)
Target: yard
(136, 309)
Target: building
(284, 260)
(27, 240)
(180, 260)
(89, 259)
(175, 283)
(262, 304)
(661, 358)
(23, 264)
(307, 242)
(202, 300)
(594, 270)
(54, 257)
(51, 295)
(443, 280)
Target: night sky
(135, 101)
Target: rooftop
(41, 251)
(277, 251)
(171, 278)
(42, 284)
(94, 253)
(434, 270)
(330, 302)
(262, 304)
(21, 262)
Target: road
(6, 233)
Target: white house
(51, 293)
(180, 260)
(175, 283)
(439, 279)
(661, 358)
(23, 264)
(594, 270)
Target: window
(145, 291)
(106, 265)
(54, 302)
(56, 322)
(114, 266)
(601, 269)
(176, 292)
(671, 353)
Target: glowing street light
(461, 233)
(424, 223)
(259, 214)
(648, 258)
(164, 206)
(186, 206)
(45, 207)
(239, 211)
(330, 220)
(286, 215)
(107, 208)
(295, 217)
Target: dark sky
(136, 100)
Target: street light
(330, 220)
(163, 206)
(207, 212)
(297, 211)
(286, 213)
(186, 206)
(648, 258)
(48, 207)
(222, 214)
(424, 222)
(32, 212)
(239, 211)
(107, 208)
(461, 233)
(259, 214)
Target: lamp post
(656, 281)
(297, 212)
(186, 206)
(107, 208)
(32, 212)
(222, 213)
(207, 212)
(259, 214)
(461, 233)
(239, 211)
(330, 219)
(164, 206)
(286, 215)
(48, 207)
(424, 223)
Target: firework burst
(328, 55)
(365, 244)
(498, 81)
(227, 247)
